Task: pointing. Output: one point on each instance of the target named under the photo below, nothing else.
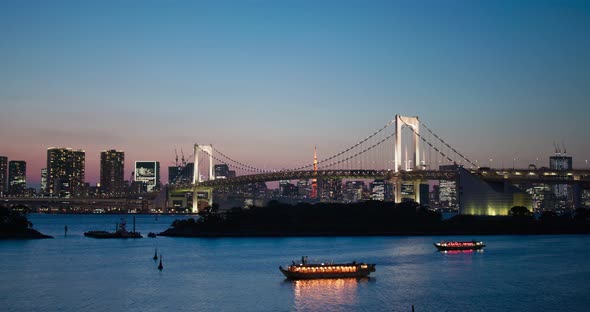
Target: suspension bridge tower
(202, 194)
(406, 189)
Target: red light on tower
(314, 182)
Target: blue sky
(265, 81)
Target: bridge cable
(449, 146)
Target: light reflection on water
(326, 294)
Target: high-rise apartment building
(17, 177)
(3, 176)
(112, 171)
(148, 172)
(65, 171)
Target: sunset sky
(266, 81)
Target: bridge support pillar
(409, 190)
(202, 195)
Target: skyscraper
(447, 189)
(112, 171)
(17, 177)
(78, 171)
(148, 172)
(65, 171)
(3, 176)
(561, 162)
(381, 190)
(447, 193)
(330, 189)
(43, 180)
(221, 171)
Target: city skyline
(268, 81)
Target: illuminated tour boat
(472, 245)
(305, 270)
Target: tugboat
(121, 232)
(305, 270)
(472, 245)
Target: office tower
(378, 190)
(447, 193)
(221, 171)
(43, 180)
(286, 188)
(3, 176)
(112, 171)
(381, 190)
(17, 177)
(148, 172)
(561, 162)
(447, 189)
(329, 189)
(353, 191)
(303, 189)
(65, 172)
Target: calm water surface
(75, 273)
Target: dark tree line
(366, 218)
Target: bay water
(77, 273)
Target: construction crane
(181, 167)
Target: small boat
(156, 254)
(471, 245)
(121, 232)
(151, 234)
(305, 270)
(160, 266)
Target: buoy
(160, 266)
